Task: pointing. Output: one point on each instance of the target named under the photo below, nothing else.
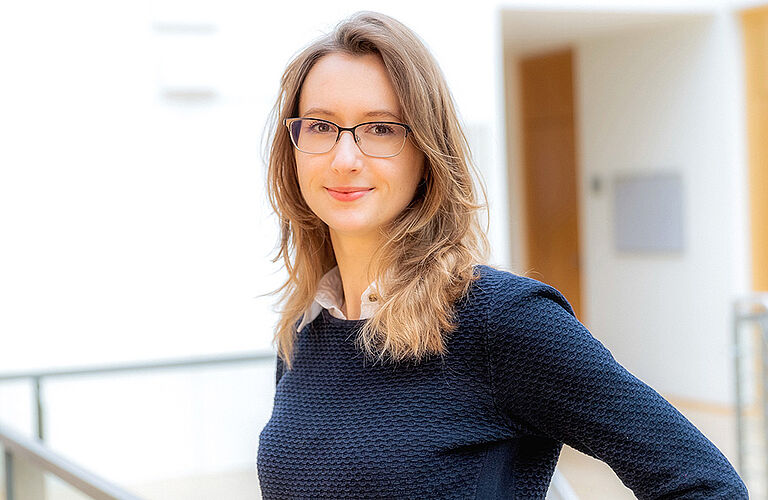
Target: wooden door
(550, 172)
(755, 29)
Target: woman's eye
(320, 127)
(380, 129)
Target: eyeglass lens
(374, 139)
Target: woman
(406, 369)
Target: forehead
(349, 88)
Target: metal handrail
(140, 366)
(42, 456)
(37, 376)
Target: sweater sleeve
(551, 375)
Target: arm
(550, 374)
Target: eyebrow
(372, 114)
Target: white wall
(138, 228)
(668, 99)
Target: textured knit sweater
(521, 377)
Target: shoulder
(504, 292)
(493, 277)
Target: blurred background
(625, 149)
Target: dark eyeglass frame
(289, 121)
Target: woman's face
(348, 90)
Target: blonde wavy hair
(426, 262)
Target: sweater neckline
(327, 316)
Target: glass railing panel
(32, 471)
(167, 433)
(57, 489)
(31, 482)
(178, 432)
(16, 408)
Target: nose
(346, 155)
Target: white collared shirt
(330, 295)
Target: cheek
(303, 175)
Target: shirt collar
(330, 295)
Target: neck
(353, 256)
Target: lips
(345, 193)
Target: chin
(352, 228)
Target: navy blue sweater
(521, 377)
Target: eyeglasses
(377, 139)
